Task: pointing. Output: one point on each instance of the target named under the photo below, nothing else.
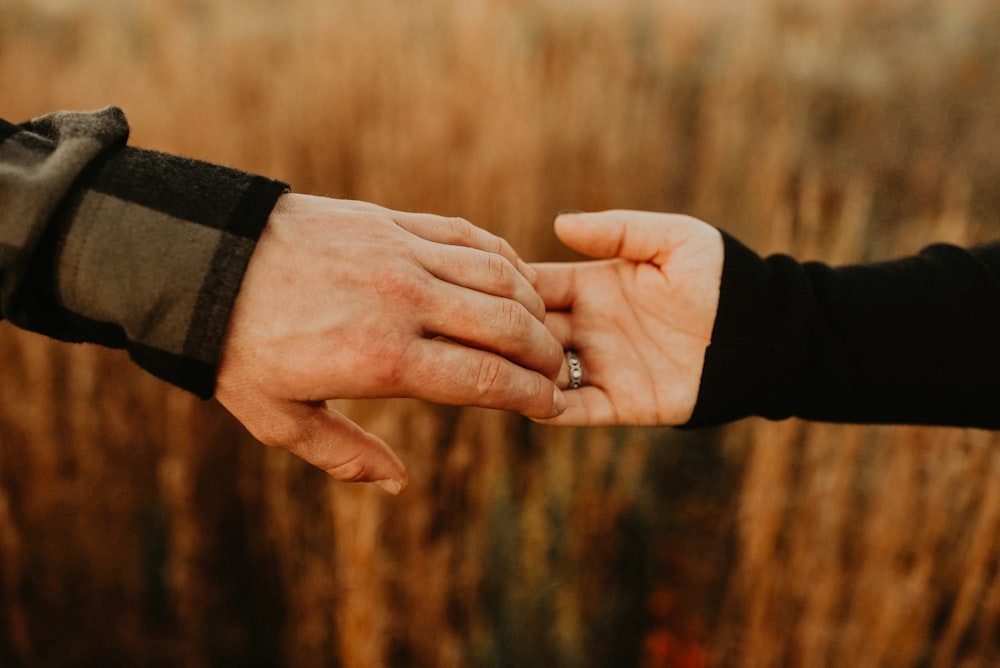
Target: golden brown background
(139, 526)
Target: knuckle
(352, 469)
(491, 376)
(460, 229)
(391, 365)
(512, 316)
(502, 273)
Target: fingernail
(558, 401)
(567, 211)
(389, 486)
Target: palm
(641, 325)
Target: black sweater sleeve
(911, 341)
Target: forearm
(914, 341)
(125, 247)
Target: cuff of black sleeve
(753, 363)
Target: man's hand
(345, 299)
(640, 323)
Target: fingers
(328, 440)
(444, 372)
(493, 324)
(559, 325)
(640, 236)
(460, 232)
(587, 406)
(485, 272)
(556, 284)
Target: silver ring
(575, 369)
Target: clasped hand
(640, 317)
(345, 299)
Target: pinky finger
(446, 372)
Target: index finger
(556, 284)
(457, 231)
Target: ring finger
(496, 324)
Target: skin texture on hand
(345, 299)
(640, 318)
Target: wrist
(756, 353)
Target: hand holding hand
(640, 322)
(345, 299)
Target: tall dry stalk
(140, 526)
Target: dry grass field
(139, 526)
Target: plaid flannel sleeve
(105, 243)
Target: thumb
(328, 440)
(639, 236)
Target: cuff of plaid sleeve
(152, 257)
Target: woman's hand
(639, 319)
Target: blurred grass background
(139, 526)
